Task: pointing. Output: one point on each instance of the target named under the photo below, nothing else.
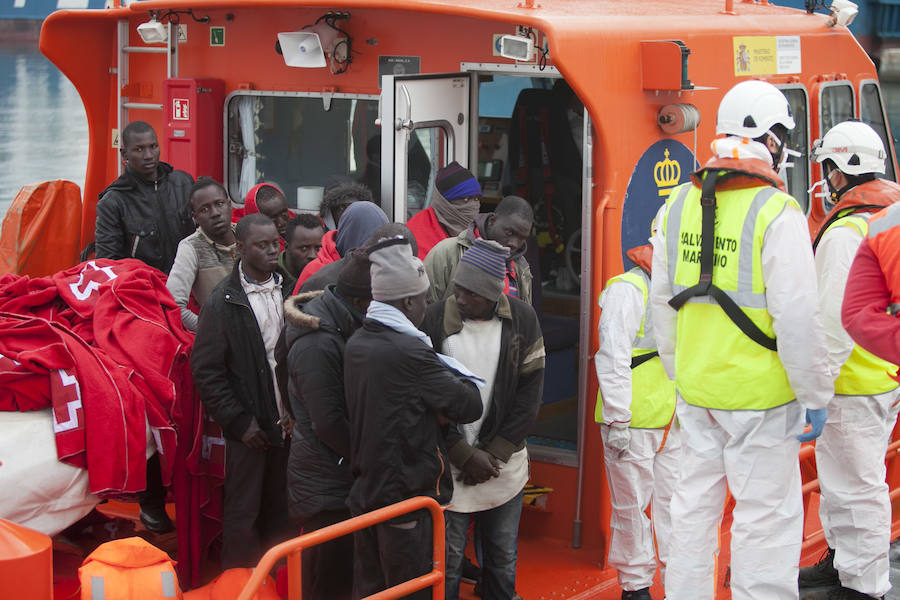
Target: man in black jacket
(234, 371)
(317, 327)
(146, 211)
(144, 214)
(499, 338)
(398, 393)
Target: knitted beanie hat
(454, 182)
(354, 280)
(482, 269)
(396, 273)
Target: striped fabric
(455, 181)
(487, 256)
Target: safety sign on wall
(766, 55)
(398, 65)
(216, 36)
(181, 109)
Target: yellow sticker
(766, 55)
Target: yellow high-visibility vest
(864, 374)
(652, 393)
(716, 364)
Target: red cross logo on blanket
(90, 279)
(65, 415)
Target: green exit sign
(216, 36)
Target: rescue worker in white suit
(734, 305)
(855, 508)
(636, 406)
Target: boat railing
(292, 549)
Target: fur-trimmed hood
(293, 310)
(318, 311)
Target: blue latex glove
(816, 418)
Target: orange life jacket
(870, 196)
(228, 586)
(128, 568)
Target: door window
(427, 153)
(871, 113)
(797, 177)
(836, 105)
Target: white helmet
(854, 147)
(751, 108)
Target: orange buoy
(26, 563)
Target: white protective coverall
(646, 471)
(752, 453)
(855, 508)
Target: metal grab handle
(406, 123)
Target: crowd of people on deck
(345, 373)
(354, 368)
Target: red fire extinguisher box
(192, 140)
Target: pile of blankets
(103, 344)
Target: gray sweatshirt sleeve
(181, 282)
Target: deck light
(517, 47)
(153, 32)
(842, 13)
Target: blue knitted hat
(455, 181)
(482, 269)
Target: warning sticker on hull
(766, 55)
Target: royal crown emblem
(666, 173)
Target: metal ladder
(122, 74)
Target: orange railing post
(292, 550)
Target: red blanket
(95, 405)
(103, 344)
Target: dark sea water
(43, 129)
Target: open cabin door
(426, 123)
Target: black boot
(642, 594)
(153, 500)
(820, 574)
(838, 593)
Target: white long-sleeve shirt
(789, 274)
(622, 307)
(833, 259)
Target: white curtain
(248, 111)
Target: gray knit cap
(482, 269)
(396, 273)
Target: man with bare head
(234, 368)
(146, 211)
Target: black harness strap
(704, 286)
(840, 215)
(637, 361)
